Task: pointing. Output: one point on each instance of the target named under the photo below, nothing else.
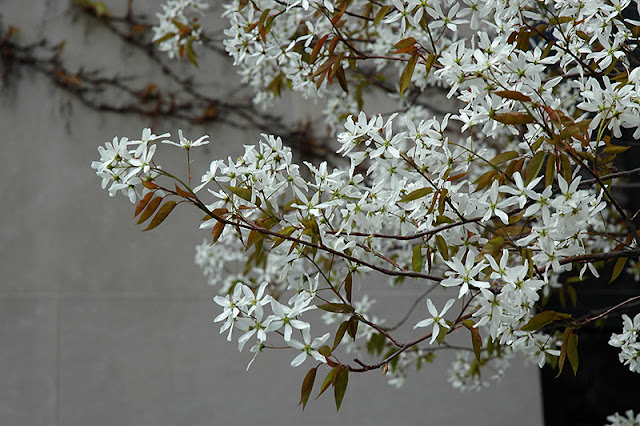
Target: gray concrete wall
(101, 324)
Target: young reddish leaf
(336, 18)
(352, 328)
(150, 209)
(416, 258)
(618, 268)
(316, 48)
(332, 45)
(456, 177)
(542, 319)
(534, 166)
(162, 214)
(504, 157)
(514, 166)
(342, 79)
(512, 94)
(307, 386)
(149, 185)
(514, 118)
(476, 340)
(572, 352)
(217, 231)
(348, 286)
(403, 44)
(407, 73)
(340, 386)
(181, 192)
(485, 180)
(340, 334)
(328, 381)
(142, 204)
(418, 193)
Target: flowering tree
(497, 201)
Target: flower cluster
(125, 163)
(629, 419)
(491, 201)
(177, 28)
(628, 342)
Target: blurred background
(103, 324)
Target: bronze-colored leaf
(514, 118)
(150, 209)
(348, 286)
(307, 386)
(162, 214)
(142, 204)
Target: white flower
(187, 143)
(437, 319)
(308, 348)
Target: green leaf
(416, 259)
(150, 209)
(542, 319)
(534, 166)
(307, 386)
(244, 193)
(162, 214)
(618, 268)
(340, 386)
(407, 73)
(328, 381)
(340, 334)
(561, 20)
(381, 14)
(338, 308)
(431, 59)
(376, 344)
(442, 246)
(286, 232)
(325, 350)
(418, 193)
(191, 54)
